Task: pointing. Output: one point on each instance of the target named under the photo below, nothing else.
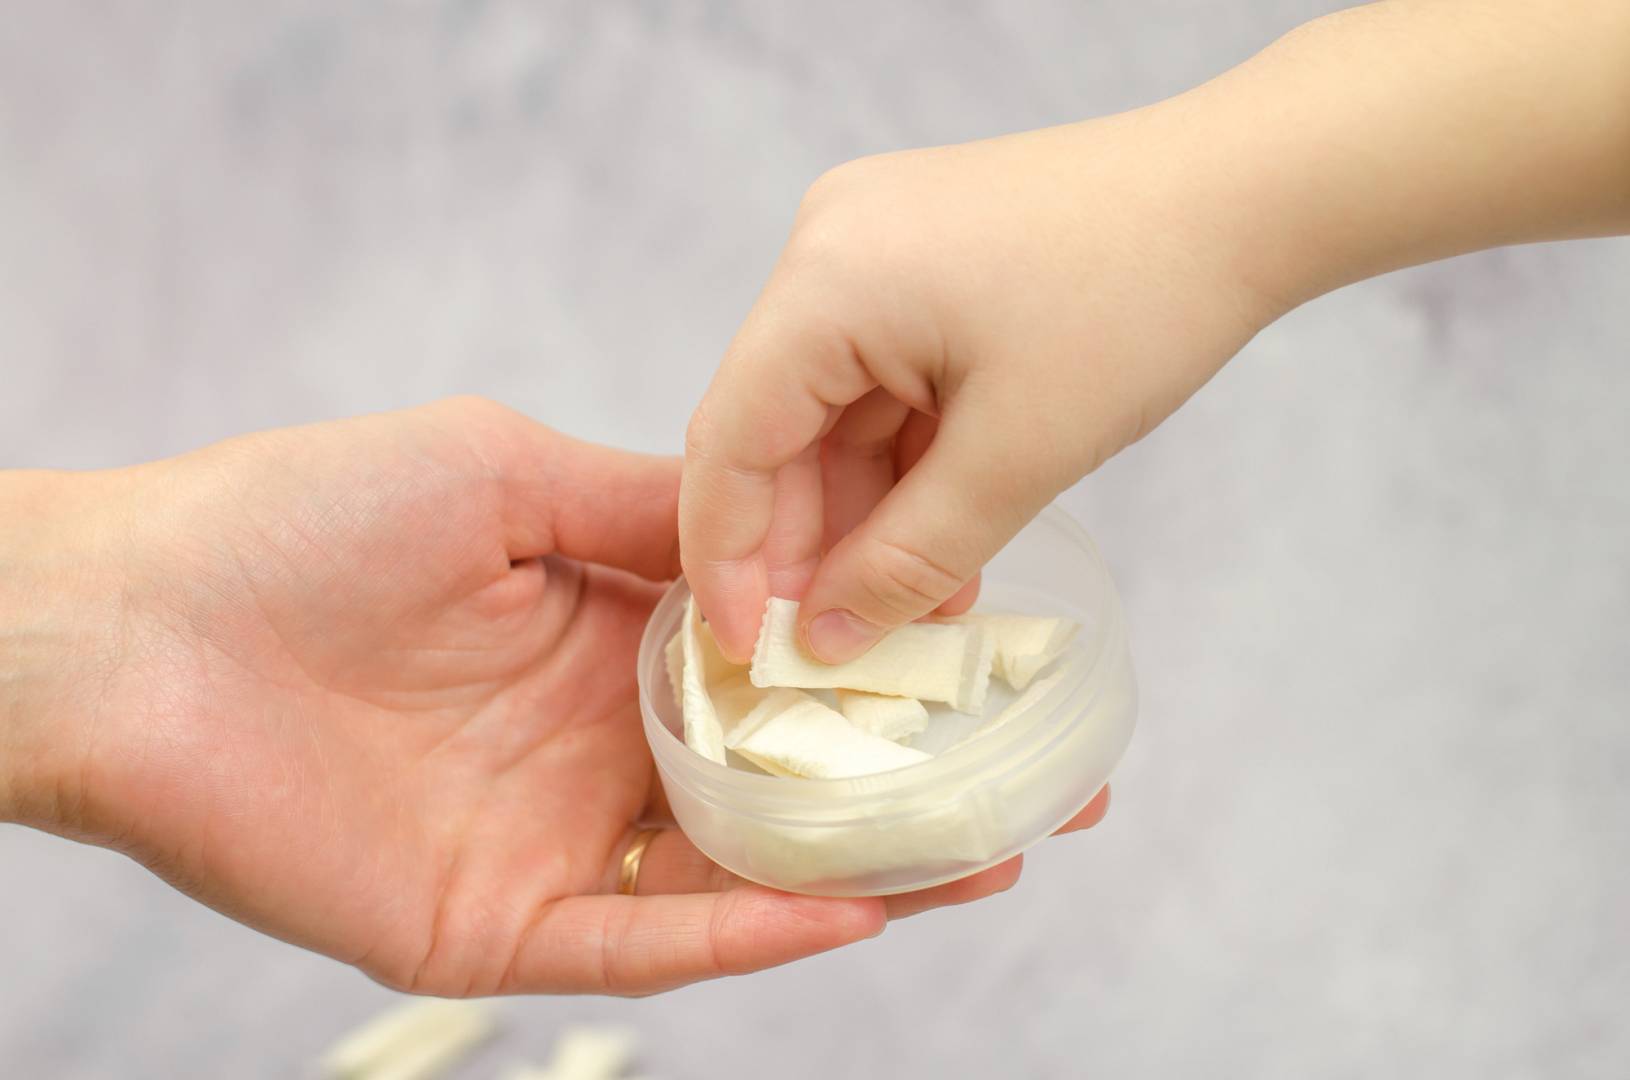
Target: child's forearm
(1411, 130)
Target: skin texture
(369, 687)
(1008, 314)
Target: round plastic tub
(975, 804)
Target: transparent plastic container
(975, 804)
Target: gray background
(1375, 816)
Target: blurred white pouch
(416, 1039)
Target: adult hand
(369, 687)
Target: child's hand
(1012, 311)
(1015, 311)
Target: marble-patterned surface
(1375, 820)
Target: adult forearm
(1411, 130)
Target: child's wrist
(55, 597)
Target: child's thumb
(924, 541)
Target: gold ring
(630, 876)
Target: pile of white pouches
(763, 716)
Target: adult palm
(372, 690)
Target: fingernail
(738, 646)
(838, 635)
(734, 607)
